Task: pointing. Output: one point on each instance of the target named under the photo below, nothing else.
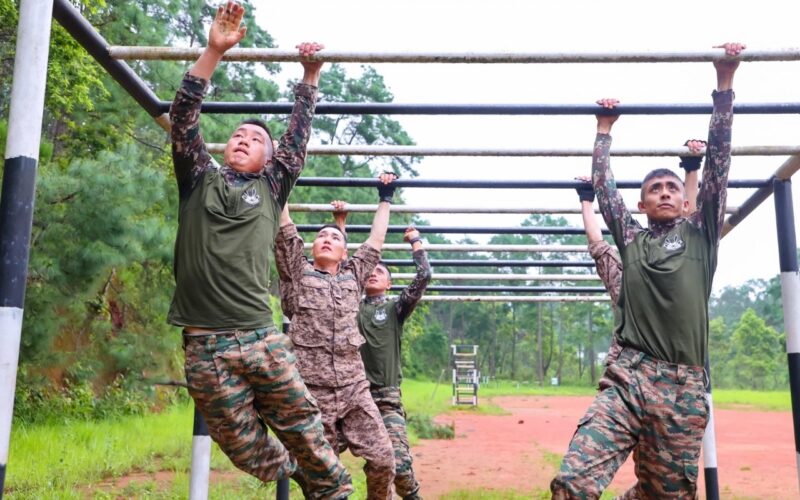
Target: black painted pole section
(393, 108)
(201, 459)
(790, 295)
(85, 34)
(487, 184)
(710, 445)
(17, 198)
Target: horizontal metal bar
(423, 209)
(509, 289)
(362, 150)
(515, 298)
(500, 277)
(460, 247)
(487, 184)
(785, 171)
(393, 108)
(363, 228)
(85, 34)
(339, 56)
(492, 263)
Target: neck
(658, 228)
(328, 267)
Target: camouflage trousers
(390, 404)
(352, 420)
(239, 379)
(658, 407)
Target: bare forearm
(691, 183)
(206, 64)
(380, 224)
(590, 225)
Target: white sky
(750, 251)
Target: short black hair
(659, 172)
(383, 265)
(334, 226)
(258, 123)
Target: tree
(756, 348)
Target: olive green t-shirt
(665, 291)
(383, 330)
(223, 253)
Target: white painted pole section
(516, 298)
(10, 328)
(363, 150)
(457, 247)
(30, 78)
(201, 467)
(710, 438)
(425, 209)
(291, 55)
(790, 291)
(501, 277)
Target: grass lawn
(84, 459)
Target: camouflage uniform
(326, 339)
(609, 269)
(244, 370)
(381, 322)
(653, 397)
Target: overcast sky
(750, 251)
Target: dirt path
(521, 451)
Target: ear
(641, 206)
(388, 284)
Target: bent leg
(362, 427)
(390, 404)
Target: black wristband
(585, 192)
(690, 163)
(386, 191)
(414, 240)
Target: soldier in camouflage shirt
(239, 368)
(652, 398)
(606, 257)
(323, 299)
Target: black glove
(585, 191)
(386, 191)
(691, 163)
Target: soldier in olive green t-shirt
(652, 398)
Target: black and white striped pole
(790, 294)
(710, 445)
(16, 199)
(201, 459)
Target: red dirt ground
(755, 450)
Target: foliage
(425, 428)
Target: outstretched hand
(691, 162)
(311, 68)
(386, 186)
(226, 30)
(727, 67)
(411, 234)
(340, 214)
(604, 120)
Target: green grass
(755, 400)
(509, 388)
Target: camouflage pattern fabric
(324, 326)
(237, 377)
(656, 406)
(352, 420)
(609, 269)
(390, 404)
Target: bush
(426, 428)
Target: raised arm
(711, 200)
(586, 197)
(618, 219)
(691, 164)
(411, 295)
(189, 154)
(340, 215)
(380, 223)
(289, 257)
(290, 156)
